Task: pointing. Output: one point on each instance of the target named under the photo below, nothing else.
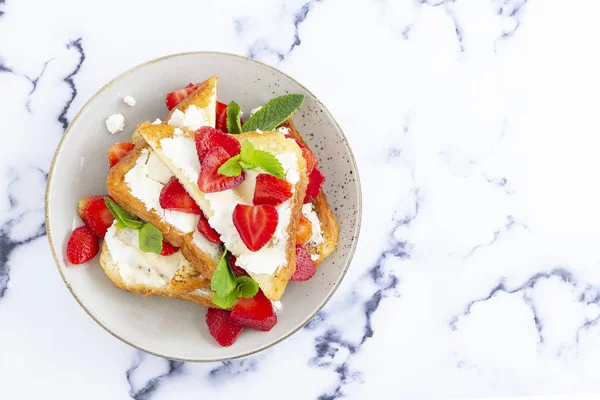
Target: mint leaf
(225, 301)
(150, 239)
(124, 219)
(231, 167)
(274, 113)
(251, 157)
(223, 281)
(233, 118)
(246, 287)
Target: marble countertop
(474, 123)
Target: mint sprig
(234, 114)
(275, 112)
(149, 237)
(228, 288)
(250, 158)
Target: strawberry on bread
(177, 96)
(255, 224)
(255, 313)
(94, 213)
(118, 151)
(174, 197)
(271, 190)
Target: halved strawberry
(222, 327)
(309, 157)
(315, 182)
(118, 151)
(271, 190)
(94, 213)
(207, 230)
(177, 96)
(210, 180)
(208, 138)
(221, 121)
(168, 249)
(305, 266)
(237, 270)
(256, 313)
(255, 224)
(174, 197)
(83, 245)
(303, 230)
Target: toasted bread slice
(324, 246)
(149, 276)
(169, 142)
(177, 228)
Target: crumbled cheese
(259, 131)
(115, 123)
(283, 130)
(130, 101)
(157, 121)
(254, 110)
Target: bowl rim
(196, 360)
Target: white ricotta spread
(210, 248)
(146, 180)
(137, 267)
(181, 150)
(317, 233)
(130, 101)
(115, 123)
(277, 305)
(254, 110)
(283, 130)
(273, 255)
(157, 121)
(193, 118)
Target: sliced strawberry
(256, 313)
(83, 245)
(237, 270)
(271, 190)
(221, 122)
(305, 266)
(315, 182)
(207, 230)
(174, 197)
(309, 157)
(174, 98)
(94, 213)
(210, 180)
(168, 249)
(222, 327)
(303, 230)
(255, 224)
(208, 138)
(118, 151)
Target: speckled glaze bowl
(171, 328)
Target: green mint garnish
(124, 219)
(233, 118)
(228, 288)
(251, 158)
(231, 167)
(272, 114)
(150, 238)
(246, 287)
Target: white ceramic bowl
(171, 328)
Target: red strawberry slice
(305, 266)
(222, 327)
(174, 197)
(315, 182)
(221, 122)
(208, 138)
(271, 190)
(256, 313)
(210, 180)
(237, 270)
(94, 213)
(255, 224)
(207, 230)
(168, 249)
(303, 230)
(118, 151)
(83, 245)
(309, 157)
(175, 97)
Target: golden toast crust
(329, 224)
(112, 271)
